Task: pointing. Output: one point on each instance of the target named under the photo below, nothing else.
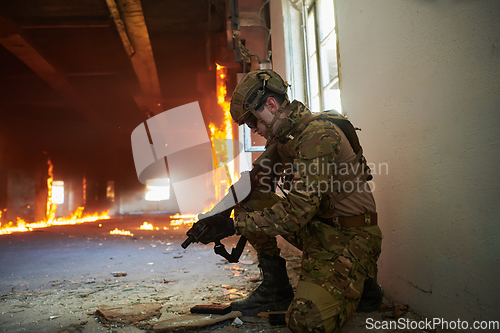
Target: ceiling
(76, 77)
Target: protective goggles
(251, 120)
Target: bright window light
(322, 57)
(58, 192)
(158, 189)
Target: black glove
(211, 229)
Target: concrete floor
(54, 279)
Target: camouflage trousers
(335, 263)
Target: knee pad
(315, 310)
(304, 316)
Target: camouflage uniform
(336, 260)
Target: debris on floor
(128, 313)
(192, 321)
(75, 291)
(393, 311)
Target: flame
(51, 206)
(146, 226)
(222, 138)
(180, 219)
(222, 149)
(76, 217)
(121, 232)
(10, 228)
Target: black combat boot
(371, 299)
(274, 293)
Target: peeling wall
(422, 80)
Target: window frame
(315, 68)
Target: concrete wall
(422, 80)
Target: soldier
(328, 211)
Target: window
(157, 189)
(322, 57)
(58, 192)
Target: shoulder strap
(306, 120)
(345, 126)
(336, 118)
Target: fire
(222, 147)
(121, 232)
(222, 138)
(10, 228)
(51, 207)
(76, 217)
(179, 219)
(146, 226)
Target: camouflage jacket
(311, 153)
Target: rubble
(128, 313)
(192, 321)
(76, 291)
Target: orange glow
(84, 184)
(121, 232)
(146, 226)
(222, 139)
(76, 217)
(51, 207)
(180, 219)
(222, 149)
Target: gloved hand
(211, 229)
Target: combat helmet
(248, 93)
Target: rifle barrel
(187, 242)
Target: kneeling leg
(315, 310)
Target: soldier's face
(266, 116)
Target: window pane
(331, 98)
(328, 53)
(158, 189)
(315, 107)
(313, 75)
(58, 192)
(311, 33)
(326, 18)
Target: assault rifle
(238, 192)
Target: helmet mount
(249, 92)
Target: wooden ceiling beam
(13, 41)
(131, 25)
(66, 26)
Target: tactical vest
(340, 188)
